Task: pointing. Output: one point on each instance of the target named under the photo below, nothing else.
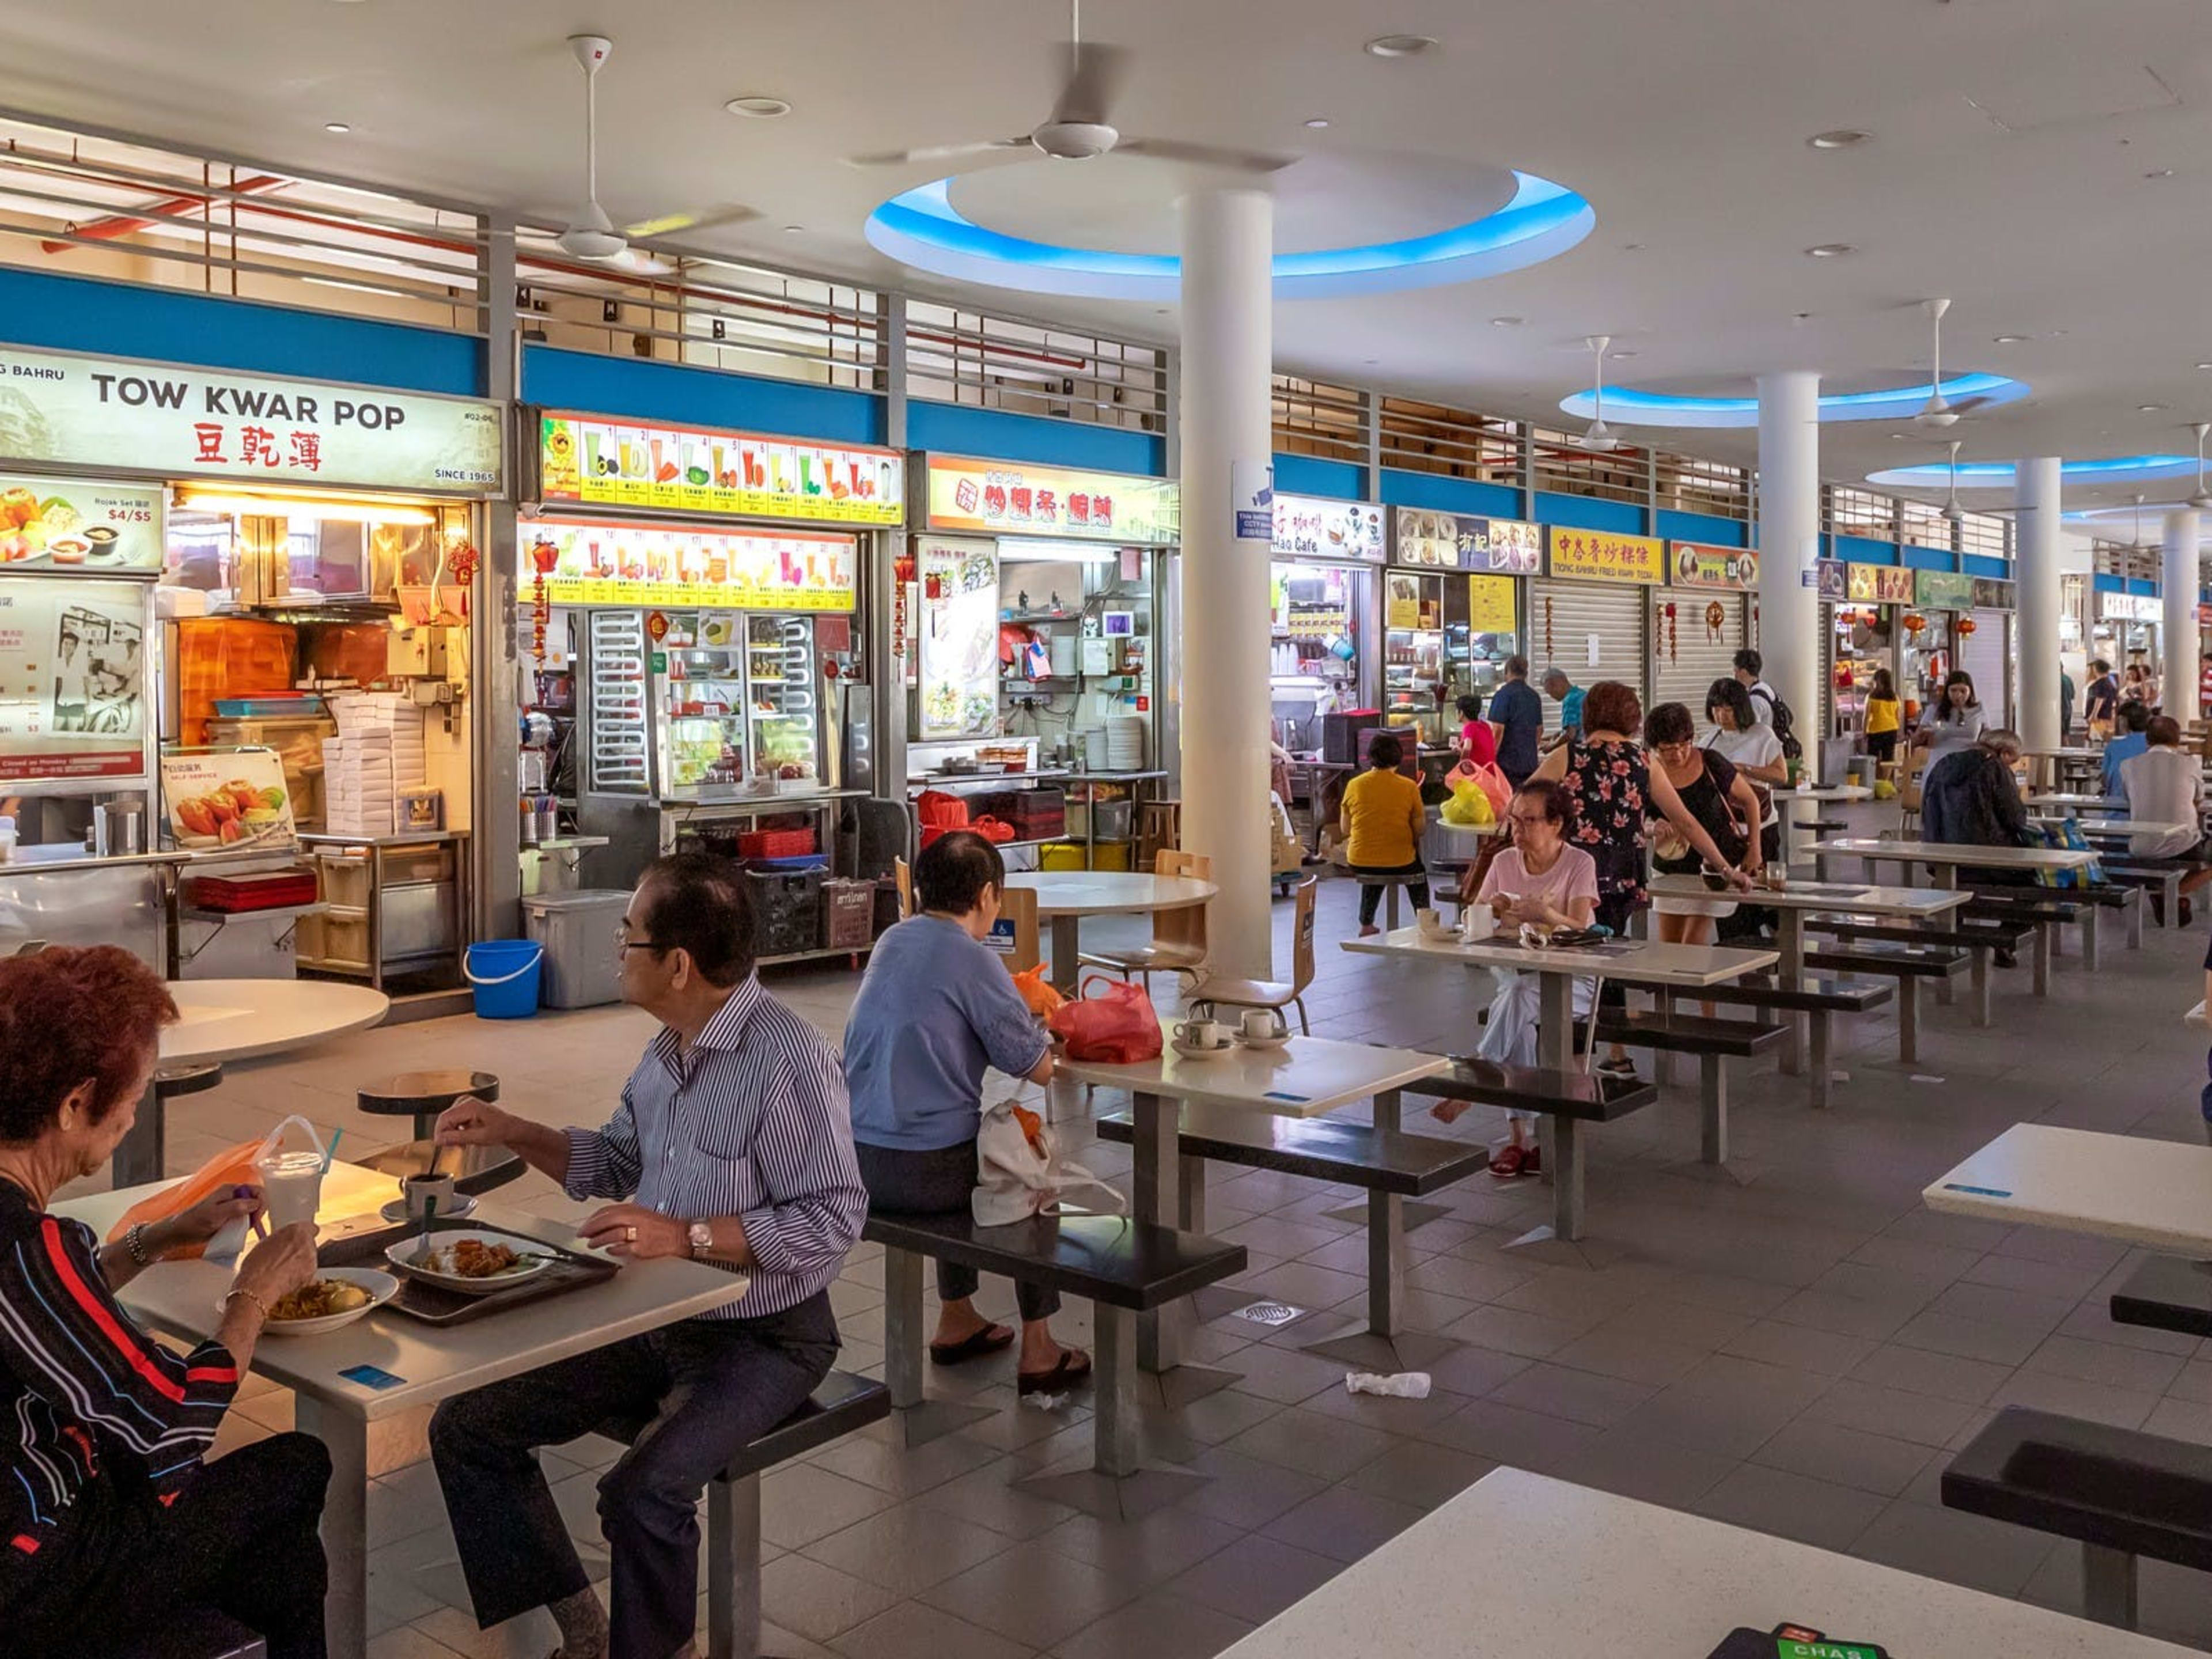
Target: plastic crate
(848, 915)
(787, 907)
(775, 843)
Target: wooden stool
(1158, 829)
(423, 1095)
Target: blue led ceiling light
(1633, 408)
(923, 230)
(1998, 475)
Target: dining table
(2130, 1189)
(346, 1380)
(1065, 897)
(1793, 805)
(1946, 859)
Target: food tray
(571, 1270)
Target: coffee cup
(427, 1195)
(1429, 921)
(1202, 1033)
(1266, 1025)
(1477, 923)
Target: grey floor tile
(1254, 1578)
(1789, 1505)
(1625, 1461)
(1846, 1457)
(1921, 1371)
(1799, 1347)
(1949, 1544)
(1343, 1523)
(1971, 1339)
(1579, 1396)
(913, 1630)
(1509, 1330)
(1245, 1491)
(1147, 1552)
(819, 1601)
(1923, 1418)
(1846, 1316)
(1753, 1382)
(1282, 1375)
(801, 1503)
(1033, 1595)
(1526, 1440)
(1326, 1447)
(1632, 1355)
(1160, 1627)
(1424, 1475)
(2125, 1408)
(2108, 1362)
(1730, 1428)
(908, 1549)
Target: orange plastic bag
(1118, 1028)
(232, 1167)
(1038, 991)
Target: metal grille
(1419, 437)
(1564, 616)
(1686, 656)
(1314, 418)
(1565, 467)
(1849, 511)
(1988, 534)
(2123, 559)
(1923, 525)
(959, 356)
(1684, 483)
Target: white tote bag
(1019, 1172)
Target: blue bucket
(505, 972)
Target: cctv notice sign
(59, 408)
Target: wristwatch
(701, 1236)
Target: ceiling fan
(2202, 497)
(1939, 411)
(1081, 124)
(1600, 436)
(589, 233)
(1953, 512)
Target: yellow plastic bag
(1468, 806)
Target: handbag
(1019, 1172)
(1118, 1027)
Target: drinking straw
(331, 1150)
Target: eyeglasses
(624, 943)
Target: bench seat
(2168, 1294)
(1585, 1096)
(1814, 994)
(1714, 1041)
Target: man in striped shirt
(732, 1145)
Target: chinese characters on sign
(1014, 498)
(1691, 564)
(1309, 527)
(730, 570)
(1602, 556)
(1460, 541)
(1880, 584)
(743, 474)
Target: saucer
(463, 1204)
(1191, 1052)
(1276, 1042)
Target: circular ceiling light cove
(759, 106)
(1398, 45)
(1999, 475)
(922, 228)
(1628, 406)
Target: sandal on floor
(1450, 1111)
(1506, 1166)
(991, 1338)
(1072, 1372)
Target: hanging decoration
(1914, 621)
(1716, 619)
(1666, 620)
(1549, 654)
(1964, 626)
(544, 557)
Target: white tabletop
(1108, 892)
(2151, 1193)
(1307, 1077)
(184, 1299)
(2115, 826)
(1783, 796)
(1937, 852)
(1640, 962)
(1593, 1574)
(2061, 798)
(224, 1019)
(2062, 754)
(1859, 897)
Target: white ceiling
(2008, 170)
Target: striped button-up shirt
(753, 1122)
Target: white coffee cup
(1429, 921)
(1264, 1024)
(1202, 1033)
(1478, 924)
(422, 1191)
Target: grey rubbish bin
(583, 969)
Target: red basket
(775, 843)
(935, 809)
(996, 830)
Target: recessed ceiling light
(1507, 322)
(1830, 250)
(1317, 122)
(1841, 138)
(1398, 45)
(2204, 365)
(2009, 339)
(2159, 173)
(759, 106)
(335, 126)
(1631, 247)
(793, 230)
(1629, 353)
(2150, 409)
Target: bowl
(406, 1254)
(381, 1288)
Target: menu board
(596, 462)
(1995, 593)
(1882, 584)
(70, 525)
(959, 583)
(1832, 577)
(1307, 526)
(1944, 590)
(1693, 564)
(1602, 556)
(72, 679)
(1015, 498)
(1462, 541)
(224, 800)
(647, 564)
(1491, 604)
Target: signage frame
(1704, 565)
(1160, 524)
(699, 444)
(1605, 555)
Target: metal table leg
(1908, 1019)
(734, 1556)
(1789, 944)
(1156, 1183)
(2108, 1586)
(1980, 971)
(1821, 1077)
(2089, 935)
(1555, 1046)
(903, 1333)
(346, 1522)
(2042, 979)
(1386, 1238)
(1114, 1428)
(1713, 1102)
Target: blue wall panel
(1981, 564)
(1439, 494)
(1860, 550)
(1927, 558)
(2102, 583)
(2141, 584)
(76, 313)
(1702, 527)
(995, 435)
(1310, 475)
(1588, 512)
(593, 384)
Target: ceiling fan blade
(895, 158)
(1094, 81)
(1210, 155)
(669, 224)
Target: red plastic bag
(1492, 782)
(939, 809)
(1037, 991)
(1118, 1027)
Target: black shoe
(2005, 957)
(2188, 913)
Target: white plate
(1189, 1052)
(463, 1204)
(403, 1255)
(1263, 1042)
(381, 1288)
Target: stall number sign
(1691, 564)
(1600, 555)
(741, 474)
(1309, 527)
(1881, 584)
(724, 570)
(61, 408)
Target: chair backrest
(1184, 929)
(1302, 935)
(902, 873)
(1019, 906)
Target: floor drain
(1270, 1314)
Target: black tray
(435, 1305)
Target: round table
(1064, 897)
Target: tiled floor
(1791, 1345)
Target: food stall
(691, 600)
(312, 543)
(1586, 617)
(2126, 629)
(1452, 602)
(1985, 645)
(1322, 620)
(1945, 601)
(1700, 620)
(1036, 623)
(1863, 607)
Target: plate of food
(473, 1263)
(334, 1297)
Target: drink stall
(1453, 599)
(1323, 612)
(1862, 610)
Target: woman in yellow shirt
(1384, 821)
(1882, 718)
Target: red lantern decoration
(1914, 621)
(1964, 626)
(543, 556)
(1716, 619)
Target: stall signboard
(1460, 541)
(1881, 584)
(59, 408)
(1996, 593)
(960, 675)
(1943, 590)
(598, 462)
(1016, 498)
(223, 800)
(1600, 555)
(2131, 607)
(1492, 604)
(1693, 564)
(1832, 577)
(1310, 527)
(75, 527)
(72, 680)
(707, 569)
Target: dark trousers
(241, 1539)
(901, 1182)
(694, 1393)
(1371, 898)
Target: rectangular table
(1946, 860)
(1634, 961)
(1592, 1574)
(1789, 804)
(184, 1300)
(2154, 1194)
(2071, 802)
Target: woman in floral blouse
(1609, 779)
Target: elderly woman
(114, 1520)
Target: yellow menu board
(1881, 584)
(723, 570)
(1602, 556)
(606, 463)
(1491, 604)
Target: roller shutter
(1563, 616)
(1690, 656)
(1985, 654)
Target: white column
(1788, 542)
(1228, 316)
(2037, 481)
(2176, 585)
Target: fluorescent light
(1830, 250)
(2009, 339)
(1037, 550)
(1318, 122)
(1507, 322)
(1840, 138)
(301, 506)
(335, 126)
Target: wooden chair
(902, 874)
(1178, 936)
(1272, 993)
(1019, 906)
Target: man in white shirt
(1750, 668)
(2164, 785)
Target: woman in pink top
(1478, 741)
(1542, 879)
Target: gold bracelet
(236, 1291)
